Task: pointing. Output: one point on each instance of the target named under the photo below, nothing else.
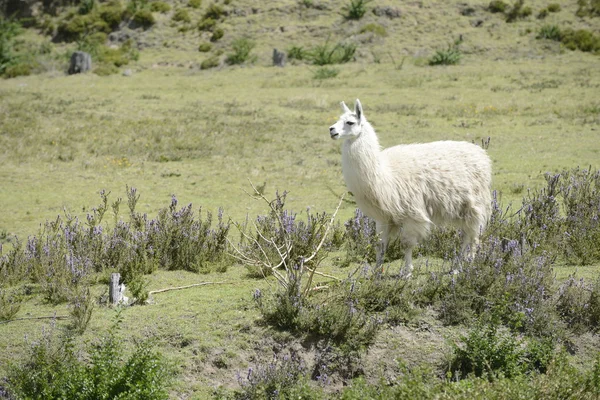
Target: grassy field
(172, 129)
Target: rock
(278, 58)
(80, 62)
(387, 11)
(127, 72)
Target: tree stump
(116, 292)
(278, 58)
(80, 62)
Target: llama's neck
(362, 161)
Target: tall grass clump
(551, 32)
(326, 54)
(54, 369)
(356, 9)
(449, 56)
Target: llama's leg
(471, 232)
(383, 230)
(409, 240)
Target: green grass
(203, 134)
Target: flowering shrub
(67, 252)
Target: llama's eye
(349, 123)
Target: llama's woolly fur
(409, 188)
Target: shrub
(282, 378)
(112, 13)
(18, 69)
(160, 6)
(211, 62)
(518, 11)
(81, 306)
(77, 26)
(487, 352)
(10, 304)
(377, 29)
(53, 371)
(588, 8)
(214, 11)
(204, 47)
(207, 24)
(551, 32)
(553, 7)
(497, 6)
(241, 52)
(581, 39)
(181, 15)
(144, 18)
(195, 3)
(356, 9)
(86, 6)
(218, 34)
(326, 73)
(580, 192)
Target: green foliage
(588, 8)
(112, 13)
(450, 56)
(242, 48)
(296, 53)
(138, 286)
(160, 6)
(214, 11)
(325, 73)
(204, 47)
(377, 29)
(551, 32)
(218, 33)
(211, 62)
(497, 6)
(54, 371)
(325, 54)
(181, 15)
(86, 6)
(580, 39)
(81, 307)
(78, 26)
(195, 3)
(518, 11)
(553, 7)
(144, 18)
(17, 68)
(207, 24)
(487, 352)
(580, 191)
(10, 304)
(356, 9)
(105, 70)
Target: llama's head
(350, 123)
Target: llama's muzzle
(333, 133)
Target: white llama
(408, 188)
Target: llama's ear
(358, 110)
(345, 108)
